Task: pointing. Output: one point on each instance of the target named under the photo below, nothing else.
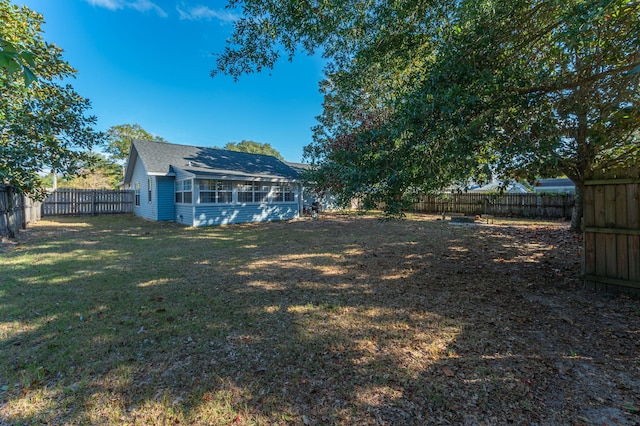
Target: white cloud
(139, 5)
(147, 5)
(108, 4)
(197, 13)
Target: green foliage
(12, 60)
(42, 123)
(119, 139)
(253, 148)
(421, 94)
(98, 173)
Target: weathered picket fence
(76, 202)
(16, 211)
(513, 205)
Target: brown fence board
(599, 207)
(622, 257)
(612, 231)
(633, 206)
(634, 257)
(589, 263)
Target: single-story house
(558, 185)
(499, 186)
(200, 186)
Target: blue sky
(147, 62)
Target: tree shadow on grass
(339, 321)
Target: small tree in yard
(42, 123)
(421, 94)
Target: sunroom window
(289, 192)
(184, 192)
(215, 191)
(283, 192)
(245, 192)
(262, 192)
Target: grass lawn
(345, 320)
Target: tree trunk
(578, 207)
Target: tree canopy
(422, 94)
(43, 123)
(253, 148)
(100, 173)
(119, 139)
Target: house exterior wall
(142, 207)
(184, 214)
(241, 213)
(236, 211)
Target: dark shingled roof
(164, 158)
(554, 182)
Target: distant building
(499, 186)
(558, 185)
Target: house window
(283, 192)
(262, 192)
(183, 191)
(137, 193)
(289, 192)
(253, 192)
(149, 190)
(215, 191)
(245, 192)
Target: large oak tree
(419, 94)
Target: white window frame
(221, 191)
(183, 187)
(136, 193)
(244, 191)
(283, 192)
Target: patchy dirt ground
(530, 347)
(343, 320)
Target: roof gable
(162, 158)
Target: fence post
(11, 218)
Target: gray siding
(184, 214)
(145, 209)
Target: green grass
(114, 320)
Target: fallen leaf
(448, 371)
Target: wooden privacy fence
(16, 211)
(75, 202)
(612, 231)
(520, 205)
